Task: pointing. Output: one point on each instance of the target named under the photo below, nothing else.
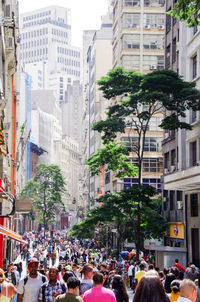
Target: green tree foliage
(115, 156)
(46, 190)
(120, 210)
(187, 10)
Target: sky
(85, 14)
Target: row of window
(33, 53)
(147, 3)
(68, 62)
(69, 52)
(34, 43)
(38, 15)
(154, 182)
(150, 21)
(149, 42)
(34, 33)
(45, 21)
(151, 144)
(150, 165)
(148, 63)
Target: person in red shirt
(178, 266)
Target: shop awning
(6, 232)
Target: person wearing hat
(193, 273)
(29, 286)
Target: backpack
(44, 286)
(26, 279)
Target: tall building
(138, 34)
(101, 47)
(46, 50)
(138, 44)
(181, 196)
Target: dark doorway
(195, 247)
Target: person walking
(7, 289)
(119, 288)
(175, 288)
(52, 288)
(71, 296)
(99, 293)
(29, 286)
(86, 282)
(188, 291)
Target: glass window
(152, 144)
(154, 21)
(154, 3)
(194, 66)
(131, 20)
(153, 42)
(131, 62)
(194, 205)
(131, 2)
(131, 41)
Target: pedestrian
(188, 291)
(150, 289)
(52, 288)
(119, 288)
(168, 280)
(10, 275)
(131, 275)
(193, 274)
(175, 288)
(71, 296)
(99, 293)
(105, 272)
(7, 289)
(29, 286)
(140, 273)
(180, 267)
(86, 282)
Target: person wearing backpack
(29, 286)
(51, 289)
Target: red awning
(6, 232)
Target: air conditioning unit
(173, 168)
(147, 26)
(179, 204)
(8, 11)
(153, 67)
(166, 171)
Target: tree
(120, 211)
(46, 190)
(138, 98)
(187, 10)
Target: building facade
(181, 148)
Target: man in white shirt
(188, 291)
(29, 286)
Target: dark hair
(73, 282)
(166, 270)
(175, 286)
(142, 266)
(150, 266)
(67, 275)
(176, 260)
(150, 289)
(120, 289)
(98, 278)
(169, 278)
(86, 269)
(181, 275)
(161, 274)
(174, 270)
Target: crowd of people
(69, 271)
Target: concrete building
(101, 47)
(181, 194)
(138, 34)
(138, 44)
(46, 51)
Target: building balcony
(185, 180)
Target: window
(153, 42)
(153, 165)
(194, 205)
(154, 21)
(131, 20)
(152, 144)
(167, 58)
(173, 157)
(172, 200)
(193, 116)
(194, 66)
(131, 62)
(154, 3)
(168, 22)
(131, 2)
(131, 41)
(193, 153)
(174, 50)
(166, 160)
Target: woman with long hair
(7, 290)
(150, 289)
(119, 288)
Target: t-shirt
(68, 297)
(139, 275)
(30, 289)
(99, 294)
(85, 285)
